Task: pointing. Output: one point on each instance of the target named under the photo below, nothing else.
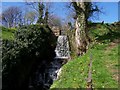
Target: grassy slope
(104, 68)
(7, 33)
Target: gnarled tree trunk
(81, 39)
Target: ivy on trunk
(81, 39)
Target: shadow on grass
(110, 36)
(104, 32)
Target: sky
(109, 9)
(110, 12)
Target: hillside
(103, 51)
(7, 33)
(104, 54)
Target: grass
(105, 65)
(7, 33)
(102, 75)
(75, 72)
(105, 62)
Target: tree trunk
(81, 30)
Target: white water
(62, 48)
(53, 70)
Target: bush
(31, 46)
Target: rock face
(44, 75)
(56, 30)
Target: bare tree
(47, 13)
(54, 20)
(29, 17)
(42, 10)
(12, 16)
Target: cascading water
(47, 73)
(62, 48)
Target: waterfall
(62, 48)
(47, 73)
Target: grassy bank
(104, 52)
(104, 69)
(7, 33)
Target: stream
(46, 73)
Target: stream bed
(45, 73)
(44, 76)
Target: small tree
(46, 14)
(42, 8)
(41, 12)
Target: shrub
(31, 46)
